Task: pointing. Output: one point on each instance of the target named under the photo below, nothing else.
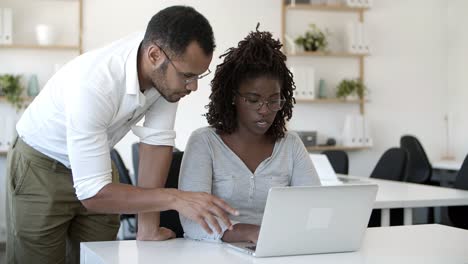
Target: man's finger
(201, 221)
(215, 210)
(226, 207)
(213, 222)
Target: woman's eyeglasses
(253, 102)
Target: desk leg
(385, 217)
(407, 216)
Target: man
(61, 185)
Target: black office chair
(419, 169)
(135, 160)
(458, 215)
(391, 166)
(170, 219)
(124, 177)
(339, 160)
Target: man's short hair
(175, 27)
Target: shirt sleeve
(158, 128)
(88, 114)
(196, 174)
(304, 172)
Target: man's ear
(154, 54)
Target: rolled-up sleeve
(88, 114)
(158, 128)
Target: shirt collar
(131, 72)
(132, 83)
(131, 79)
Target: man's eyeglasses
(253, 102)
(186, 79)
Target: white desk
(428, 244)
(452, 165)
(393, 194)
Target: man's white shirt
(88, 106)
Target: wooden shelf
(328, 54)
(39, 47)
(323, 148)
(328, 101)
(324, 7)
(26, 99)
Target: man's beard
(161, 84)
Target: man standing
(62, 188)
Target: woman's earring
(233, 103)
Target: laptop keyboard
(252, 247)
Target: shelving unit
(26, 99)
(27, 44)
(327, 8)
(323, 148)
(78, 47)
(50, 47)
(345, 55)
(328, 54)
(329, 101)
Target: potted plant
(313, 39)
(12, 89)
(351, 89)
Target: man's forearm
(153, 170)
(123, 198)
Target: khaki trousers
(45, 220)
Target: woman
(246, 150)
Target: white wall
(457, 75)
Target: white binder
(1, 26)
(310, 83)
(364, 38)
(368, 141)
(351, 38)
(353, 131)
(7, 26)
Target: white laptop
(326, 173)
(312, 220)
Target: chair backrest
(339, 160)
(391, 166)
(458, 215)
(419, 169)
(170, 219)
(461, 182)
(135, 159)
(124, 176)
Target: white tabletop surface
(454, 165)
(393, 194)
(428, 244)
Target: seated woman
(246, 150)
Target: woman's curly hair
(255, 56)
